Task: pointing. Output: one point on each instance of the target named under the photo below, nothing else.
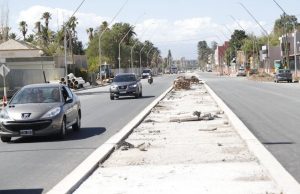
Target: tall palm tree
(72, 23)
(23, 28)
(103, 26)
(46, 16)
(127, 28)
(38, 26)
(90, 33)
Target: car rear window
(146, 71)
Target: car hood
(123, 83)
(35, 111)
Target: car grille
(34, 125)
(122, 87)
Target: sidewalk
(172, 151)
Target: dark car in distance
(126, 84)
(283, 75)
(40, 110)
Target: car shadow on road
(91, 93)
(278, 143)
(130, 98)
(71, 135)
(21, 191)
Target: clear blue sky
(171, 24)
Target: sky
(177, 25)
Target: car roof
(120, 74)
(42, 85)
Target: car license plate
(122, 92)
(26, 132)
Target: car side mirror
(69, 100)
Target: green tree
(285, 24)
(23, 28)
(89, 31)
(203, 52)
(12, 36)
(46, 16)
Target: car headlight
(113, 86)
(4, 115)
(133, 86)
(52, 113)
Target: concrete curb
(86, 168)
(279, 174)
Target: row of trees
(52, 42)
(110, 40)
(249, 43)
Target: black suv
(125, 84)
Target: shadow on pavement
(84, 133)
(278, 143)
(22, 191)
(130, 98)
(91, 93)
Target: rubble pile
(181, 83)
(185, 83)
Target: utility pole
(266, 33)
(286, 41)
(65, 37)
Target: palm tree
(72, 23)
(90, 33)
(38, 26)
(103, 26)
(23, 28)
(47, 17)
(129, 30)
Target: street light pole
(141, 57)
(124, 39)
(266, 33)
(100, 35)
(131, 51)
(148, 55)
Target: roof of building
(17, 45)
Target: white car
(241, 72)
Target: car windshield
(146, 71)
(37, 95)
(125, 78)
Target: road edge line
(74, 179)
(280, 175)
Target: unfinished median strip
(187, 144)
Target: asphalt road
(35, 165)
(270, 110)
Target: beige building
(18, 49)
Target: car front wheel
(76, 126)
(63, 129)
(5, 139)
(112, 97)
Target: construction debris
(73, 82)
